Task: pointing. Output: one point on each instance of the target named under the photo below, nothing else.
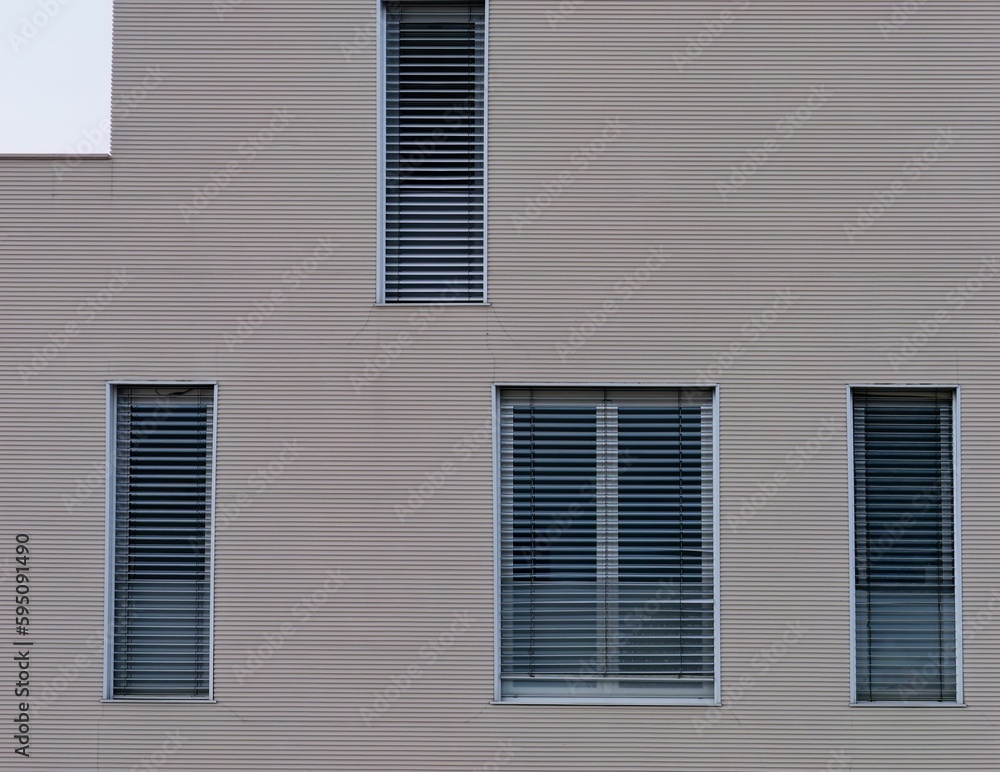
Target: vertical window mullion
(533, 552)
(609, 421)
(866, 549)
(601, 551)
(681, 595)
(606, 523)
(939, 556)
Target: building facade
(532, 385)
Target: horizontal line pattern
(337, 418)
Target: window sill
(441, 303)
(657, 701)
(905, 704)
(162, 700)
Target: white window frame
(380, 8)
(957, 493)
(498, 698)
(109, 540)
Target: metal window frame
(111, 390)
(956, 391)
(498, 698)
(381, 63)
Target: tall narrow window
(607, 523)
(904, 545)
(434, 207)
(161, 562)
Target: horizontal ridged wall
(354, 498)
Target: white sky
(55, 76)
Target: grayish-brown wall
(610, 135)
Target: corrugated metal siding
(375, 400)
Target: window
(161, 552)
(434, 198)
(905, 546)
(607, 544)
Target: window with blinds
(434, 163)
(607, 532)
(904, 545)
(161, 562)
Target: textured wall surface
(781, 198)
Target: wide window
(607, 534)
(905, 545)
(161, 551)
(434, 155)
